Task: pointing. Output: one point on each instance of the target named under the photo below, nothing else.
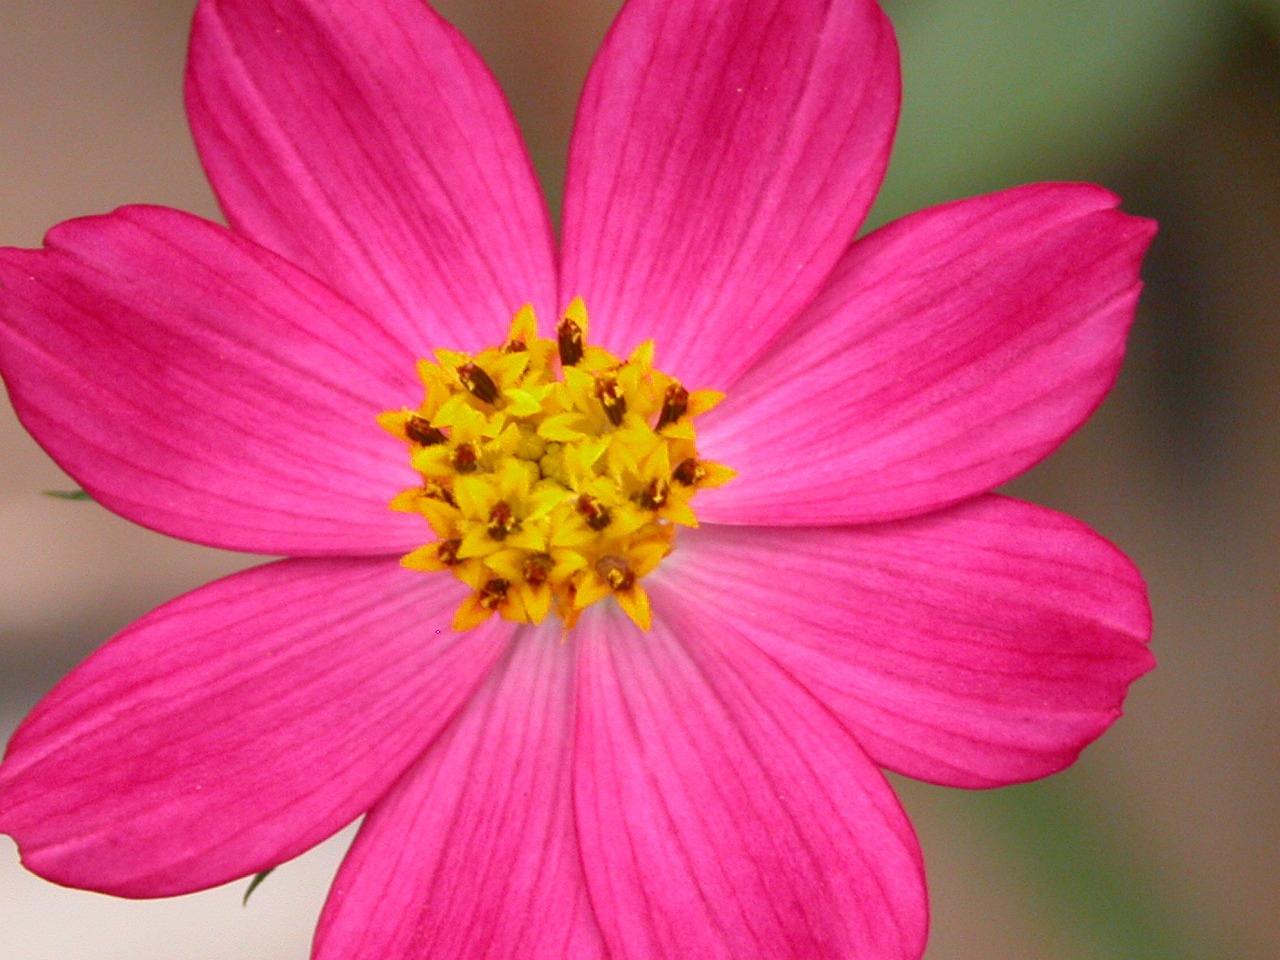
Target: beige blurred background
(1162, 842)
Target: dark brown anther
(653, 495)
(419, 430)
(688, 472)
(466, 458)
(569, 340)
(595, 513)
(447, 551)
(438, 491)
(478, 383)
(537, 568)
(611, 398)
(515, 346)
(494, 593)
(675, 403)
(502, 521)
(616, 572)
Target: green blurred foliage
(1271, 9)
(1001, 92)
(1093, 877)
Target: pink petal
(369, 144)
(723, 813)
(724, 156)
(980, 646)
(474, 853)
(953, 349)
(239, 725)
(201, 386)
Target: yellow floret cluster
(553, 473)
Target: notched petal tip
(879, 404)
(308, 119)
(996, 639)
(154, 354)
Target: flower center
(554, 474)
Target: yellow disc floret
(553, 473)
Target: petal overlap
(723, 812)
(239, 725)
(979, 646)
(474, 854)
(700, 781)
(197, 384)
(724, 155)
(952, 350)
(369, 144)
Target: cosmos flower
(617, 571)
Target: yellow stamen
(554, 475)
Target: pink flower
(854, 599)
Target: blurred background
(1162, 843)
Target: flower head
(611, 663)
(553, 473)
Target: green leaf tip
(254, 883)
(67, 494)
